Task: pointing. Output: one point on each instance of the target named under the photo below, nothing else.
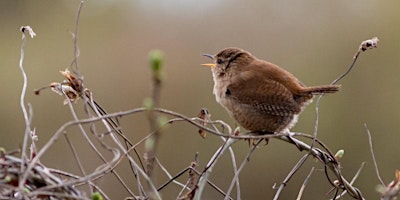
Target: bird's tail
(321, 89)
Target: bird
(261, 96)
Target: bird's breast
(218, 91)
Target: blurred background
(315, 40)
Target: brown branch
(156, 60)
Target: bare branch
(74, 64)
(236, 177)
(289, 176)
(303, 187)
(24, 29)
(367, 44)
(373, 155)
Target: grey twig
(367, 44)
(373, 155)
(75, 39)
(352, 180)
(24, 30)
(290, 175)
(303, 187)
(236, 176)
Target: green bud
(236, 131)
(97, 196)
(156, 58)
(2, 150)
(162, 121)
(339, 154)
(148, 103)
(380, 189)
(149, 144)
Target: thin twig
(170, 176)
(111, 129)
(367, 44)
(113, 124)
(303, 187)
(322, 156)
(75, 39)
(235, 170)
(173, 179)
(206, 173)
(358, 173)
(109, 122)
(70, 175)
(289, 176)
(373, 155)
(76, 157)
(44, 149)
(236, 176)
(24, 29)
(105, 168)
(234, 165)
(353, 179)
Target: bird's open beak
(209, 64)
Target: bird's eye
(219, 61)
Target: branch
(373, 155)
(367, 44)
(28, 119)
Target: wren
(262, 97)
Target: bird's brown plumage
(259, 95)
